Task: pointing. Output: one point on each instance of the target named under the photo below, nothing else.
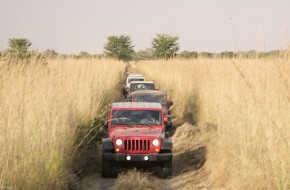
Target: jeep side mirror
(105, 132)
(170, 103)
(168, 125)
(129, 98)
(106, 125)
(166, 135)
(157, 87)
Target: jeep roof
(137, 105)
(153, 92)
(142, 82)
(135, 75)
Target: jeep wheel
(107, 169)
(166, 169)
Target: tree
(19, 48)
(146, 54)
(83, 54)
(165, 45)
(188, 54)
(206, 55)
(50, 53)
(227, 54)
(119, 47)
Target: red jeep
(136, 137)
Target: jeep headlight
(155, 142)
(119, 142)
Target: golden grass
(188, 158)
(41, 108)
(135, 180)
(242, 108)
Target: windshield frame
(133, 77)
(161, 125)
(154, 96)
(131, 85)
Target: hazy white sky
(71, 26)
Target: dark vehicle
(136, 137)
(157, 96)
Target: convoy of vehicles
(136, 130)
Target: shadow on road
(95, 182)
(189, 160)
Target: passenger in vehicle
(149, 119)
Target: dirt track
(97, 182)
(188, 158)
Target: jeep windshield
(137, 117)
(141, 86)
(135, 79)
(150, 98)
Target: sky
(71, 26)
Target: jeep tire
(166, 169)
(107, 169)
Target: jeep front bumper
(121, 157)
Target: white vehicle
(140, 85)
(135, 75)
(130, 78)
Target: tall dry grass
(135, 180)
(42, 107)
(242, 108)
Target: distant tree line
(163, 46)
(229, 54)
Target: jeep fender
(107, 144)
(166, 144)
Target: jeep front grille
(137, 145)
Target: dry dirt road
(188, 158)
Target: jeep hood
(136, 132)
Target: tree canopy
(84, 54)
(188, 54)
(165, 45)
(145, 54)
(50, 53)
(119, 47)
(19, 48)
